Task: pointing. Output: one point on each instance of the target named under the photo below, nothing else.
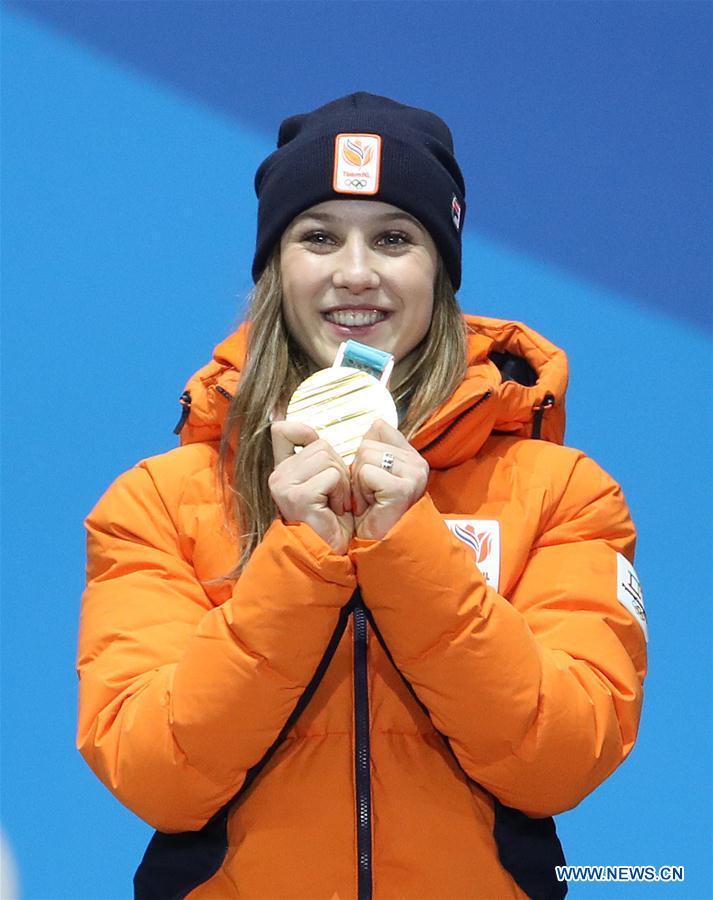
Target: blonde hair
(275, 365)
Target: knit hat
(363, 147)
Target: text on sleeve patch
(629, 593)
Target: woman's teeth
(358, 318)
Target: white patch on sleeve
(629, 593)
(482, 538)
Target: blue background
(131, 132)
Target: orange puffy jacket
(409, 740)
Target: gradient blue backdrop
(131, 132)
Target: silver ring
(387, 461)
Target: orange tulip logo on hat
(356, 154)
(357, 164)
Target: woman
(320, 680)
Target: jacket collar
(483, 403)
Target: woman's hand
(382, 496)
(311, 486)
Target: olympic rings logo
(356, 182)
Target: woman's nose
(354, 267)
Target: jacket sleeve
(539, 694)
(178, 698)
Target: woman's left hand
(382, 495)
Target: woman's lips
(354, 322)
(350, 318)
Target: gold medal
(342, 402)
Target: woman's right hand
(311, 486)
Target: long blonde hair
(275, 365)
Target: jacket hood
(515, 383)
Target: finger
(340, 499)
(386, 457)
(374, 480)
(321, 486)
(359, 502)
(304, 499)
(326, 453)
(316, 446)
(315, 458)
(301, 467)
(382, 431)
(310, 460)
(393, 460)
(369, 453)
(288, 435)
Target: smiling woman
(357, 269)
(377, 674)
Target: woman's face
(357, 269)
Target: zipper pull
(185, 401)
(538, 413)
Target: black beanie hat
(363, 146)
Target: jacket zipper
(458, 419)
(362, 755)
(185, 401)
(538, 413)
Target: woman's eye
(318, 238)
(394, 239)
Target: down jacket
(407, 740)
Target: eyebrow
(330, 217)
